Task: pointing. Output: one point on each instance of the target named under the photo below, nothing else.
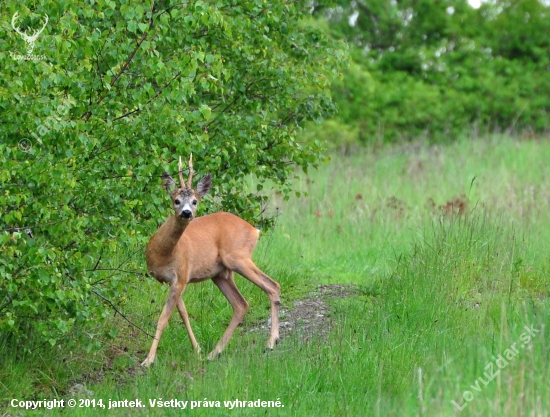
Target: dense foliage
(435, 69)
(111, 94)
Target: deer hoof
(213, 356)
(147, 362)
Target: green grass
(441, 295)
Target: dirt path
(310, 317)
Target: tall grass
(451, 305)
(448, 250)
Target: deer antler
(180, 173)
(190, 179)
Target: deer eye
(194, 202)
(177, 202)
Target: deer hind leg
(250, 271)
(226, 283)
(173, 296)
(185, 317)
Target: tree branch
(159, 92)
(125, 66)
(118, 311)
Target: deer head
(30, 39)
(185, 199)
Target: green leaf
(205, 111)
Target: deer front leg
(185, 317)
(173, 296)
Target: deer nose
(186, 213)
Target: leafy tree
(435, 68)
(518, 31)
(113, 93)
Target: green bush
(114, 93)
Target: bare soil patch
(309, 317)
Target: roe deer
(186, 250)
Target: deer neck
(166, 239)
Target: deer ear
(204, 185)
(168, 183)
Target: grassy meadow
(446, 252)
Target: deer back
(208, 245)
